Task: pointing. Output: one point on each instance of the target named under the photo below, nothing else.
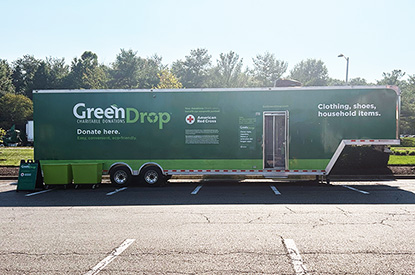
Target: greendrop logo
(115, 114)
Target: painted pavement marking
(296, 260)
(37, 193)
(116, 191)
(196, 190)
(355, 189)
(275, 190)
(114, 254)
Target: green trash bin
(87, 173)
(57, 173)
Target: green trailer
(273, 132)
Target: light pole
(347, 66)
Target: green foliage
(403, 151)
(14, 109)
(228, 71)
(401, 160)
(24, 70)
(267, 69)
(51, 74)
(407, 119)
(392, 78)
(6, 81)
(311, 72)
(86, 73)
(129, 71)
(11, 156)
(193, 71)
(125, 70)
(168, 80)
(358, 81)
(408, 142)
(2, 133)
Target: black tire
(120, 176)
(152, 176)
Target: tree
(267, 69)
(125, 70)
(130, 71)
(59, 71)
(407, 122)
(392, 78)
(335, 82)
(228, 72)
(407, 118)
(86, 73)
(149, 68)
(168, 80)
(358, 81)
(14, 109)
(6, 81)
(311, 72)
(24, 70)
(193, 71)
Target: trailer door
(275, 140)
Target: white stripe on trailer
(275, 190)
(116, 191)
(37, 193)
(115, 253)
(196, 190)
(296, 260)
(355, 189)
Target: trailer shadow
(216, 192)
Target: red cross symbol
(190, 119)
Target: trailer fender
(147, 164)
(117, 164)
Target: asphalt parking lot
(210, 227)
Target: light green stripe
(204, 164)
(309, 164)
(177, 163)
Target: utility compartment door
(275, 139)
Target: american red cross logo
(190, 119)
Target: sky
(377, 36)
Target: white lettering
(98, 113)
(75, 109)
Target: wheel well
(120, 164)
(150, 164)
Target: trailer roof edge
(392, 87)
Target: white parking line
(275, 190)
(5, 184)
(354, 189)
(37, 193)
(116, 191)
(114, 254)
(296, 260)
(196, 190)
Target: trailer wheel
(152, 176)
(120, 175)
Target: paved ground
(261, 227)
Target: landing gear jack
(324, 179)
